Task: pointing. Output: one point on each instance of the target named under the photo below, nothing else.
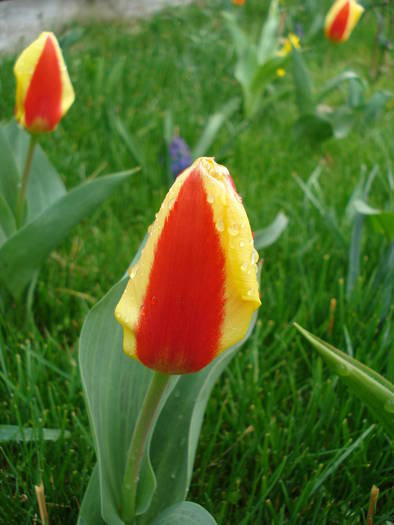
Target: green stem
(25, 177)
(137, 446)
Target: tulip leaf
(45, 186)
(15, 433)
(184, 513)
(90, 511)
(7, 220)
(269, 34)
(314, 127)
(302, 83)
(269, 235)
(9, 174)
(25, 251)
(336, 82)
(382, 220)
(115, 387)
(373, 389)
(212, 127)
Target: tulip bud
(341, 19)
(194, 289)
(43, 88)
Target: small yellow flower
(280, 72)
(290, 42)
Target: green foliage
(257, 63)
(319, 122)
(373, 389)
(51, 211)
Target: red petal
(181, 317)
(44, 96)
(339, 24)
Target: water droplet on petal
(220, 226)
(150, 228)
(133, 273)
(244, 266)
(241, 244)
(210, 199)
(234, 230)
(250, 292)
(251, 242)
(255, 256)
(154, 299)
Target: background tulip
(194, 289)
(341, 19)
(44, 92)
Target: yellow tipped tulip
(43, 88)
(341, 20)
(194, 289)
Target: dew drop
(241, 244)
(210, 199)
(154, 299)
(234, 230)
(150, 228)
(251, 242)
(173, 476)
(250, 292)
(244, 266)
(220, 226)
(255, 256)
(133, 273)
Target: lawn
(283, 440)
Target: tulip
(238, 2)
(341, 19)
(44, 92)
(192, 293)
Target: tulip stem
(20, 205)
(136, 450)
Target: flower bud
(43, 88)
(341, 19)
(192, 293)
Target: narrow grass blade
(376, 391)
(267, 236)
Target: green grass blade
(376, 391)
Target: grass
(283, 440)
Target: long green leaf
(9, 174)
(376, 391)
(212, 127)
(382, 220)
(7, 220)
(267, 236)
(90, 511)
(269, 35)
(336, 82)
(302, 83)
(25, 251)
(185, 513)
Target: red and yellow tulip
(341, 20)
(194, 289)
(43, 92)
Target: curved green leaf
(267, 236)
(185, 513)
(24, 252)
(376, 391)
(89, 513)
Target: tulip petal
(341, 19)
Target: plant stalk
(136, 450)
(25, 178)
